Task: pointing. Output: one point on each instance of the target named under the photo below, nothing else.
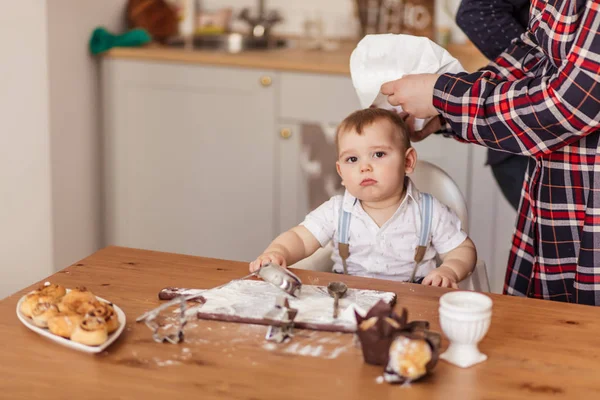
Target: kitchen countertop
(294, 58)
(537, 349)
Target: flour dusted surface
(250, 300)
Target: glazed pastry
(42, 312)
(63, 324)
(55, 291)
(409, 357)
(106, 312)
(73, 300)
(90, 331)
(86, 307)
(31, 300)
(112, 320)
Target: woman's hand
(268, 257)
(414, 93)
(434, 125)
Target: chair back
(429, 178)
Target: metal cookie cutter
(150, 318)
(282, 321)
(271, 273)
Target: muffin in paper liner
(408, 350)
(412, 355)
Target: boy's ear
(410, 160)
(337, 168)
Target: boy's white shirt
(387, 252)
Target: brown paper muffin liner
(381, 326)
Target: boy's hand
(442, 277)
(265, 258)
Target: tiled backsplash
(337, 15)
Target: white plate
(66, 342)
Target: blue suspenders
(343, 230)
(426, 210)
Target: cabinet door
(189, 158)
(312, 105)
(317, 97)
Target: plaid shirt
(541, 98)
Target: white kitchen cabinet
(312, 105)
(319, 98)
(189, 158)
(292, 199)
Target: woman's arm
(532, 115)
(415, 93)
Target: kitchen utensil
(150, 317)
(280, 277)
(465, 319)
(336, 290)
(272, 273)
(282, 321)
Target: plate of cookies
(75, 318)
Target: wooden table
(537, 349)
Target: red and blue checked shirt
(541, 98)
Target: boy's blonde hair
(360, 119)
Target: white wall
(25, 195)
(49, 136)
(491, 218)
(75, 123)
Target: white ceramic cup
(465, 319)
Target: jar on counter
(186, 12)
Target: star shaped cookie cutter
(274, 274)
(282, 321)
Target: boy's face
(373, 165)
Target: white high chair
(432, 179)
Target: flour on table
(306, 350)
(165, 363)
(304, 343)
(252, 300)
(328, 347)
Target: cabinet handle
(285, 133)
(266, 81)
